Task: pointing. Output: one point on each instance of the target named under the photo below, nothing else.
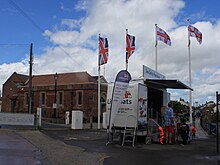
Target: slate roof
(17, 79)
(63, 79)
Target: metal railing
(153, 130)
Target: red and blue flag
(130, 46)
(162, 36)
(194, 32)
(103, 50)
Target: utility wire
(12, 45)
(65, 52)
(17, 46)
(25, 15)
(40, 29)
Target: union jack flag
(162, 36)
(130, 46)
(194, 32)
(103, 50)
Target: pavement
(15, 150)
(27, 146)
(56, 152)
(200, 132)
(59, 145)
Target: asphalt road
(59, 145)
(198, 152)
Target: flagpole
(217, 115)
(104, 71)
(156, 47)
(190, 79)
(99, 89)
(126, 61)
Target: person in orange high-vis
(161, 135)
(193, 130)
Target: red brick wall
(9, 93)
(89, 102)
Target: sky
(64, 34)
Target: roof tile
(63, 79)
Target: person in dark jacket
(184, 131)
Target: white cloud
(71, 23)
(8, 69)
(214, 78)
(64, 8)
(63, 37)
(83, 5)
(206, 70)
(78, 48)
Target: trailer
(133, 103)
(140, 110)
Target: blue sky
(64, 34)
(200, 10)
(18, 29)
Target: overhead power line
(13, 45)
(40, 29)
(25, 15)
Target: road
(59, 145)
(201, 151)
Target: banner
(142, 107)
(149, 73)
(120, 86)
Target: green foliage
(178, 107)
(213, 118)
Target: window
(60, 95)
(79, 97)
(103, 98)
(43, 98)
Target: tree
(179, 108)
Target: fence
(16, 119)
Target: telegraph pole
(30, 80)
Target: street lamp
(55, 95)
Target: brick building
(74, 91)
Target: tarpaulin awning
(164, 83)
